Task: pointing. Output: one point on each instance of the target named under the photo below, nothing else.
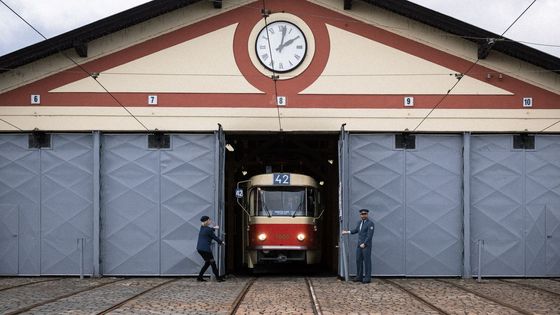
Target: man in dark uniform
(205, 237)
(365, 229)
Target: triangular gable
(208, 64)
(370, 67)
(205, 64)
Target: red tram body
(281, 219)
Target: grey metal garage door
(515, 197)
(9, 222)
(47, 194)
(543, 206)
(67, 204)
(416, 198)
(19, 189)
(152, 201)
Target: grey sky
(539, 25)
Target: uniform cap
(364, 210)
(204, 218)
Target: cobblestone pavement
(99, 299)
(26, 296)
(529, 299)
(377, 297)
(187, 296)
(452, 300)
(6, 283)
(543, 284)
(277, 295)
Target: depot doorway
(315, 155)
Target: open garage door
(413, 184)
(515, 197)
(152, 199)
(219, 210)
(343, 154)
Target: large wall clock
(283, 44)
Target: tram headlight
(261, 237)
(301, 237)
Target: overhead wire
(92, 75)
(274, 75)
(353, 20)
(466, 72)
(460, 76)
(9, 123)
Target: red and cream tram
(281, 213)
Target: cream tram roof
(295, 180)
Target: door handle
(549, 236)
(14, 235)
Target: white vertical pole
(81, 245)
(480, 244)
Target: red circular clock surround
(289, 86)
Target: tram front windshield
(275, 201)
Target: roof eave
(90, 32)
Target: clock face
(281, 46)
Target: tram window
(252, 202)
(282, 202)
(311, 201)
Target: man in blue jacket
(365, 229)
(205, 237)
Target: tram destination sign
(281, 179)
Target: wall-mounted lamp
(244, 172)
(229, 147)
(330, 161)
(321, 183)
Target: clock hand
(286, 43)
(283, 29)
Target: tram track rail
(527, 285)
(314, 301)
(28, 283)
(487, 297)
(241, 296)
(309, 285)
(120, 304)
(416, 296)
(58, 298)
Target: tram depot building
(113, 138)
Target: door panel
(66, 204)
(376, 174)
(434, 206)
(20, 186)
(416, 198)
(9, 222)
(129, 206)
(187, 193)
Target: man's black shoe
(357, 280)
(365, 282)
(200, 280)
(220, 279)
